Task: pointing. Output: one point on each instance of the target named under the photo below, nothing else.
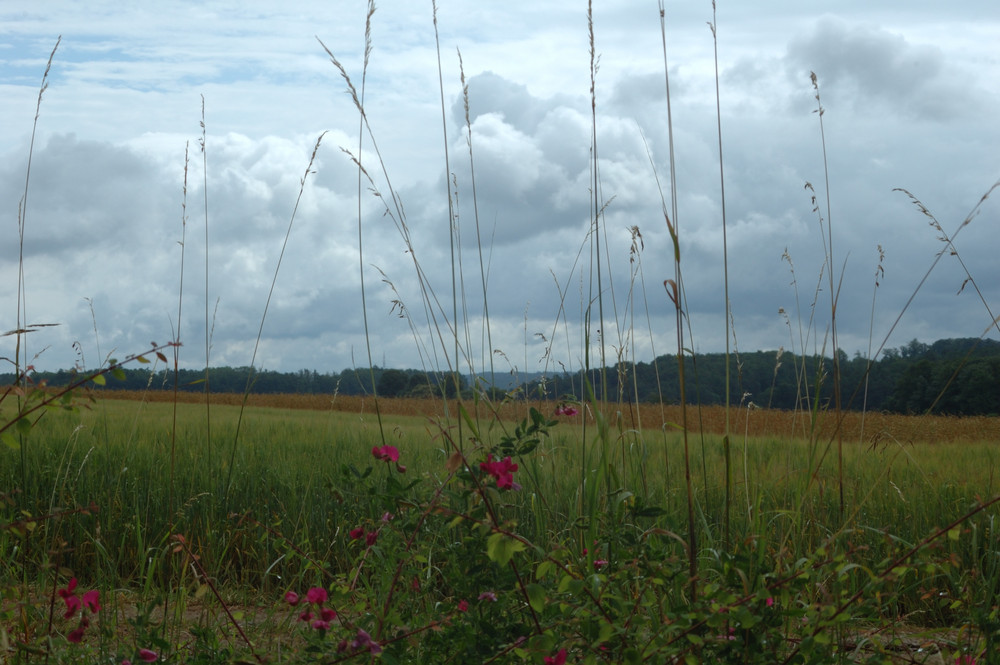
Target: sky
(126, 232)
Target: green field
(272, 510)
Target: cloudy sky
(910, 98)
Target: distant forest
(950, 376)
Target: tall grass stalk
(483, 265)
(834, 290)
(674, 289)
(203, 145)
(361, 246)
(727, 310)
(267, 303)
(454, 366)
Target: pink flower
(600, 563)
(386, 453)
(68, 594)
(566, 410)
(558, 659)
(363, 640)
(502, 470)
(92, 600)
(463, 605)
(148, 656)
(965, 659)
(769, 602)
(72, 605)
(76, 635)
(291, 598)
(126, 661)
(488, 595)
(319, 624)
(356, 533)
(306, 616)
(327, 614)
(371, 538)
(387, 517)
(316, 595)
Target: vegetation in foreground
(308, 539)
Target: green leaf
(536, 596)
(544, 568)
(500, 548)
(118, 373)
(10, 441)
(606, 631)
(142, 360)
(99, 379)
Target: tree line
(950, 376)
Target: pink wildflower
(463, 605)
(558, 659)
(371, 538)
(68, 594)
(292, 598)
(327, 614)
(306, 616)
(769, 602)
(502, 470)
(316, 595)
(92, 600)
(356, 533)
(319, 624)
(148, 656)
(364, 641)
(488, 595)
(965, 659)
(386, 453)
(566, 410)
(76, 635)
(387, 517)
(600, 563)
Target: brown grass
(879, 427)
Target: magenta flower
(316, 595)
(488, 595)
(92, 600)
(148, 656)
(463, 605)
(371, 537)
(306, 616)
(502, 470)
(566, 410)
(292, 598)
(965, 659)
(364, 641)
(386, 453)
(68, 594)
(76, 635)
(319, 624)
(356, 533)
(327, 614)
(558, 659)
(600, 563)
(769, 602)
(387, 517)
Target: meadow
(170, 527)
(131, 497)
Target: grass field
(274, 510)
